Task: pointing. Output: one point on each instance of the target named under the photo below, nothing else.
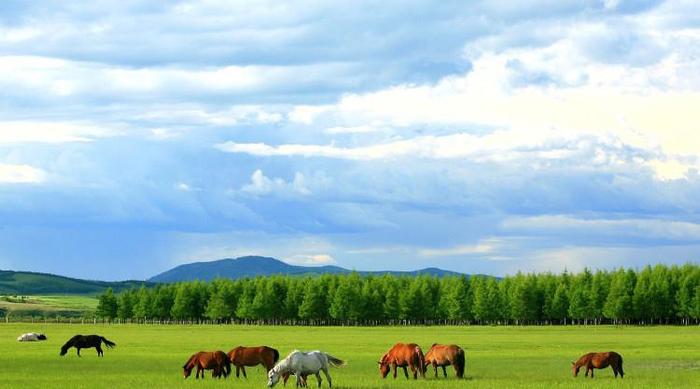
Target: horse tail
(335, 361)
(421, 361)
(460, 363)
(107, 343)
(227, 366)
(276, 355)
(622, 372)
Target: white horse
(31, 337)
(300, 364)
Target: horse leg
(244, 374)
(78, 348)
(435, 368)
(394, 365)
(444, 371)
(328, 377)
(238, 372)
(99, 351)
(318, 378)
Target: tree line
(653, 295)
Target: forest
(653, 295)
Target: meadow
(497, 357)
(46, 305)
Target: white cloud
(263, 185)
(484, 247)
(50, 132)
(631, 227)
(20, 174)
(312, 259)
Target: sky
(482, 137)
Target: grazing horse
(403, 355)
(599, 361)
(31, 337)
(204, 360)
(87, 341)
(304, 364)
(444, 355)
(253, 356)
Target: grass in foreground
(497, 357)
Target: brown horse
(599, 361)
(253, 356)
(403, 355)
(203, 360)
(444, 355)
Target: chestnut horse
(253, 356)
(444, 355)
(203, 360)
(403, 355)
(599, 361)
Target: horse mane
(190, 361)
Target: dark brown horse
(203, 360)
(403, 355)
(599, 361)
(444, 355)
(253, 356)
(87, 341)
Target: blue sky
(482, 137)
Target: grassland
(48, 306)
(497, 357)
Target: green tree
(618, 304)
(107, 305)
(313, 303)
(184, 306)
(125, 305)
(143, 305)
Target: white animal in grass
(300, 363)
(31, 337)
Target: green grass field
(48, 305)
(497, 357)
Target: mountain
(30, 283)
(252, 266)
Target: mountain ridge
(252, 266)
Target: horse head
(575, 368)
(273, 377)
(384, 365)
(64, 349)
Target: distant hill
(252, 266)
(29, 283)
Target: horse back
(443, 353)
(404, 354)
(603, 360)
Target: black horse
(86, 341)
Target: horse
(403, 355)
(599, 361)
(87, 341)
(285, 378)
(253, 356)
(204, 360)
(31, 337)
(303, 364)
(444, 355)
